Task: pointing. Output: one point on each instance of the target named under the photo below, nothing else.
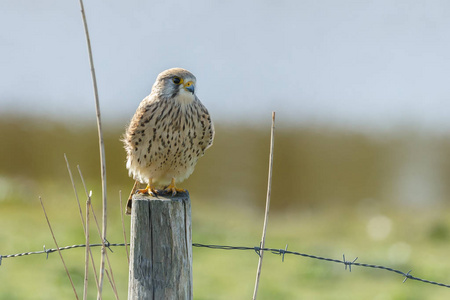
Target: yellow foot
(172, 189)
(150, 190)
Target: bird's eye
(176, 80)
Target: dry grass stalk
(123, 227)
(86, 266)
(82, 181)
(266, 215)
(89, 195)
(75, 191)
(57, 247)
(102, 150)
(113, 283)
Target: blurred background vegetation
(381, 197)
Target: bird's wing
(205, 119)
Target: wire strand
(281, 252)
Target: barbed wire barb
(108, 245)
(46, 252)
(348, 263)
(407, 276)
(257, 250)
(281, 252)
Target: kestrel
(169, 132)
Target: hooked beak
(189, 86)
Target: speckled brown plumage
(169, 132)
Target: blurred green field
(334, 192)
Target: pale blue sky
(357, 64)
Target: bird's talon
(142, 191)
(149, 190)
(172, 189)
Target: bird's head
(176, 83)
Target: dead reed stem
(81, 213)
(123, 227)
(57, 247)
(102, 149)
(266, 215)
(89, 195)
(86, 230)
(113, 283)
(82, 180)
(75, 191)
(88, 248)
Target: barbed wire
(282, 252)
(48, 251)
(346, 263)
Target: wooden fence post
(161, 248)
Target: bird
(169, 132)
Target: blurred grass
(329, 187)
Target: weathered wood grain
(161, 248)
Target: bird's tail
(129, 202)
